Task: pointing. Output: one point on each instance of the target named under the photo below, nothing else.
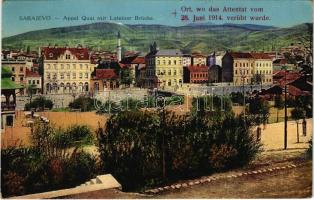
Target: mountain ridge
(188, 38)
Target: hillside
(202, 37)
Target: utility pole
(242, 71)
(286, 117)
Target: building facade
(66, 70)
(199, 59)
(196, 74)
(263, 68)
(18, 68)
(186, 60)
(104, 80)
(164, 69)
(33, 80)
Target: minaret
(119, 47)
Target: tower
(119, 47)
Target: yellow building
(263, 67)
(164, 69)
(247, 68)
(243, 68)
(66, 70)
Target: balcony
(8, 107)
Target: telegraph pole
(286, 117)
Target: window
(34, 82)
(158, 62)
(68, 75)
(55, 66)
(13, 78)
(21, 78)
(175, 72)
(13, 69)
(48, 75)
(169, 72)
(55, 76)
(61, 75)
(51, 55)
(174, 62)
(9, 121)
(74, 75)
(169, 62)
(68, 66)
(86, 75)
(67, 57)
(37, 81)
(81, 75)
(29, 82)
(62, 67)
(236, 71)
(164, 62)
(81, 66)
(74, 66)
(236, 64)
(86, 66)
(21, 69)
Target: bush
(53, 162)
(309, 151)
(83, 103)
(222, 157)
(39, 103)
(136, 145)
(12, 184)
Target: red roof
(106, 74)
(198, 68)
(240, 55)
(52, 53)
(260, 56)
(31, 74)
(138, 60)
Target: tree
(297, 114)
(126, 77)
(279, 104)
(260, 109)
(30, 91)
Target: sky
(16, 13)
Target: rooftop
(53, 53)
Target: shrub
(222, 157)
(151, 146)
(83, 103)
(309, 151)
(50, 164)
(12, 184)
(79, 168)
(39, 103)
